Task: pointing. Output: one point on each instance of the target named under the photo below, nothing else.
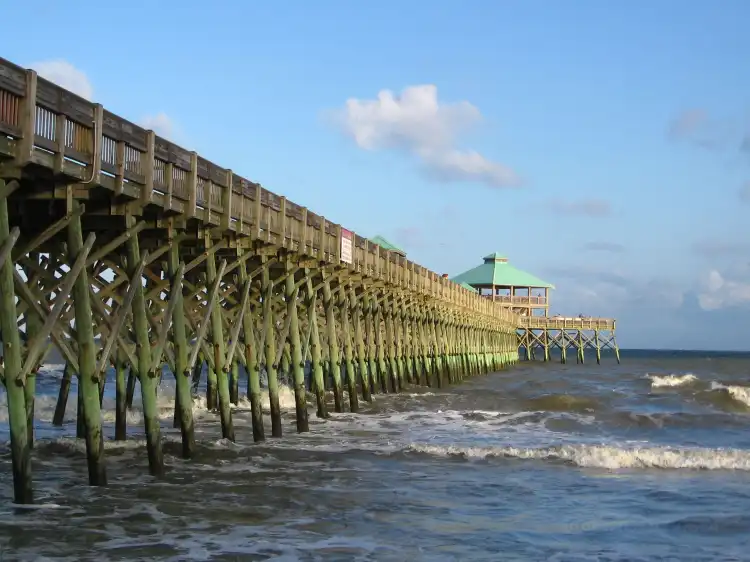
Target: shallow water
(648, 460)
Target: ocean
(646, 460)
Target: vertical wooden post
(315, 349)
(252, 363)
(563, 346)
(269, 327)
(19, 436)
(87, 376)
(234, 382)
(333, 346)
(62, 397)
(146, 377)
(360, 340)
(33, 326)
(597, 347)
(217, 335)
(183, 397)
(372, 359)
(120, 396)
(298, 362)
(346, 333)
(389, 336)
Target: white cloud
(160, 123)
(65, 75)
(718, 292)
(417, 122)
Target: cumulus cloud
(416, 121)
(611, 247)
(585, 207)
(65, 75)
(719, 292)
(605, 292)
(160, 123)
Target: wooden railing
(558, 323)
(46, 125)
(518, 300)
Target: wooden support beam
(40, 341)
(12, 362)
(87, 376)
(8, 244)
(297, 359)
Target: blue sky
(598, 144)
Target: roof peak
(495, 256)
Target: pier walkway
(123, 250)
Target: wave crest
(662, 381)
(604, 456)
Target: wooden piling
(12, 365)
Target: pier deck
(112, 234)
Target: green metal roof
(469, 287)
(386, 245)
(497, 271)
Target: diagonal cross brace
(167, 319)
(8, 244)
(40, 340)
(235, 334)
(32, 302)
(121, 314)
(204, 325)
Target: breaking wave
(661, 381)
(606, 456)
(739, 393)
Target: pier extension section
(125, 251)
(547, 334)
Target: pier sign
(347, 242)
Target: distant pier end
(529, 297)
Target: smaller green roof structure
(386, 245)
(498, 272)
(469, 287)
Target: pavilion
(496, 279)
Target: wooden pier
(542, 333)
(125, 251)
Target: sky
(602, 146)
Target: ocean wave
(661, 381)
(563, 403)
(606, 456)
(739, 393)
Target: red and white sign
(347, 245)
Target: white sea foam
(739, 393)
(607, 456)
(45, 404)
(660, 381)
